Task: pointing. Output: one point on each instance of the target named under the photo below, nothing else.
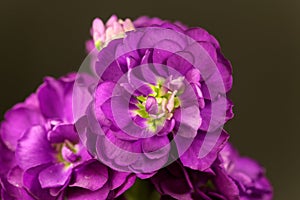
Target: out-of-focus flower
(231, 177)
(47, 159)
(116, 28)
(248, 175)
(150, 90)
(102, 33)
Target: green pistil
(143, 113)
(210, 185)
(98, 45)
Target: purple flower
(160, 86)
(231, 177)
(248, 175)
(48, 160)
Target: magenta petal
(32, 184)
(145, 21)
(156, 147)
(167, 128)
(189, 119)
(104, 92)
(11, 192)
(84, 194)
(126, 185)
(15, 177)
(17, 121)
(34, 149)
(92, 175)
(55, 97)
(50, 95)
(113, 72)
(225, 184)
(145, 165)
(180, 63)
(171, 181)
(201, 35)
(151, 105)
(117, 178)
(7, 159)
(63, 132)
(122, 152)
(56, 175)
(248, 166)
(220, 115)
(203, 150)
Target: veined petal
(91, 175)
(34, 149)
(54, 176)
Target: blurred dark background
(261, 38)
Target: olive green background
(261, 38)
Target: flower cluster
(154, 107)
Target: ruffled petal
(84, 194)
(17, 121)
(91, 175)
(62, 132)
(203, 150)
(54, 176)
(32, 184)
(34, 149)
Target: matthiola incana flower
(231, 177)
(42, 156)
(161, 93)
(248, 175)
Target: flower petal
(203, 150)
(156, 147)
(55, 97)
(34, 149)
(15, 176)
(84, 194)
(63, 132)
(17, 121)
(56, 175)
(32, 184)
(91, 175)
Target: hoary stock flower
(231, 177)
(160, 85)
(42, 156)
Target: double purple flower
(231, 177)
(153, 102)
(41, 153)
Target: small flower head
(114, 28)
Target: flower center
(160, 105)
(66, 153)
